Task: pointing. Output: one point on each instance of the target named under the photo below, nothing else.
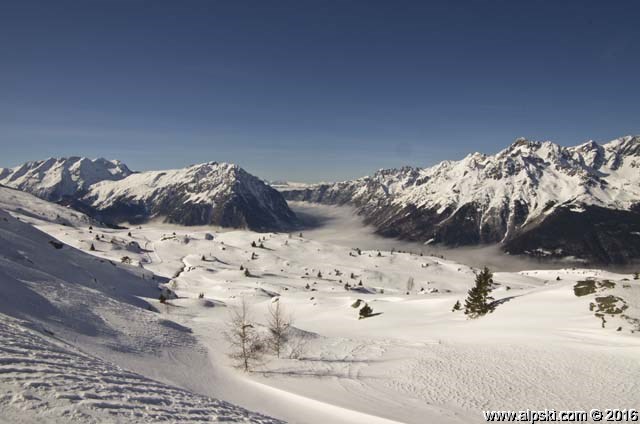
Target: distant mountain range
(206, 194)
(54, 179)
(536, 198)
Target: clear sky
(311, 90)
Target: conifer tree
(365, 312)
(457, 306)
(478, 301)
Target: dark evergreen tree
(92, 248)
(457, 306)
(478, 301)
(365, 311)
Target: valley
(415, 360)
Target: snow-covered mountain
(534, 197)
(54, 179)
(209, 193)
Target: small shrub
(365, 311)
(457, 306)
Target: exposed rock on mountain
(210, 193)
(513, 197)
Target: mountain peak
(209, 193)
(55, 178)
(491, 198)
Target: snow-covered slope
(84, 339)
(66, 315)
(209, 193)
(500, 198)
(35, 210)
(417, 361)
(56, 178)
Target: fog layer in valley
(342, 226)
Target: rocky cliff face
(512, 198)
(210, 193)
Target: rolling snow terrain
(536, 198)
(67, 318)
(79, 303)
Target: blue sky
(311, 90)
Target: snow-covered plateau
(128, 325)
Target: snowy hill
(206, 194)
(54, 179)
(36, 211)
(65, 316)
(535, 197)
(85, 339)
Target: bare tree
(278, 328)
(298, 345)
(247, 346)
(410, 284)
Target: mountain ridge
(495, 198)
(210, 193)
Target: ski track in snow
(75, 387)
